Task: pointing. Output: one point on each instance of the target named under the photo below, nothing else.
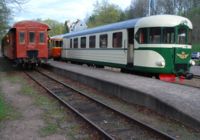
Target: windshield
(182, 35)
(164, 35)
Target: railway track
(197, 76)
(110, 124)
(194, 82)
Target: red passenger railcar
(26, 43)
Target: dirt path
(27, 126)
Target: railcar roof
(57, 36)
(110, 27)
(30, 23)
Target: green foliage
(56, 27)
(4, 17)
(104, 13)
(194, 16)
(138, 8)
(196, 47)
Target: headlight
(161, 63)
(192, 62)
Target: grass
(49, 129)
(7, 112)
(3, 108)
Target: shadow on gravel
(8, 66)
(5, 65)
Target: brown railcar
(26, 43)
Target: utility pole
(149, 7)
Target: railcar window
(117, 40)
(141, 36)
(155, 35)
(168, 35)
(92, 41)
(75, 42)
(103, 43)
(21, 37)
(57, 43)
(61, 43)
(70, 43)
(32, 37)
(182, 35)
(83, 42)
(42, 37)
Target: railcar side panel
(117, 56)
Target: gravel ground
(195, 70)
(39, 116)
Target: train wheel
(189, 76)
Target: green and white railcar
(152, 45)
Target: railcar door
(32, 51)
(130, 47)
(21, 43)
(42, 43)
(182, 53)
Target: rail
(110, 123)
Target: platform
(195, 70)
(176, 101)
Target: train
(56, 43)
(26, 43)
(158, 45)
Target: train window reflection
(117, 40)
(83, 42)
(21, 37)
(70, 43)
(155, 35)
(92, 40)
(31, 37)
(42, 37)
(141, 36)
(103, 43)
(76, 43)
(58, 43)
(168, 36)
(182, 35)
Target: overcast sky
(60, 10)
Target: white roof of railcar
(110, 27)
(163, 21)
(57, 36)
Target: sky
(60, 10)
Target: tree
(104, 13)
(194, 16)
(4, 17)
(138, 8)
(6, 7)
(56, 27)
